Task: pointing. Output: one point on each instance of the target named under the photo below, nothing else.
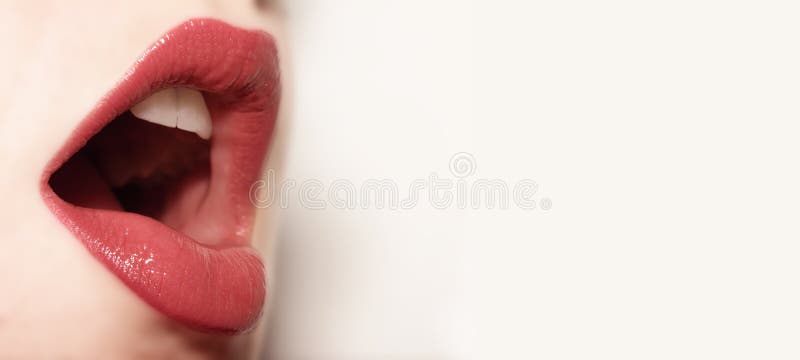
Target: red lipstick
(179, 238)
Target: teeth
(192, 113)
(176, 107)
(160, 108)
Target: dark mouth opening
(136, 166)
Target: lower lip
(215, 288)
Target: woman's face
(158, 263)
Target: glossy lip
(217, 287)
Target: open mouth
(154, 160)
(155, 181)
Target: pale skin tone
(59, 59)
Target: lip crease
(220, 286)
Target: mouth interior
(140, 167)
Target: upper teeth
(176, 107)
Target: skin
(56, 301)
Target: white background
(665, 133)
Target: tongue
(180, 203)
(140, 167)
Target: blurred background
(662, 138)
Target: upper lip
(219, 287)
